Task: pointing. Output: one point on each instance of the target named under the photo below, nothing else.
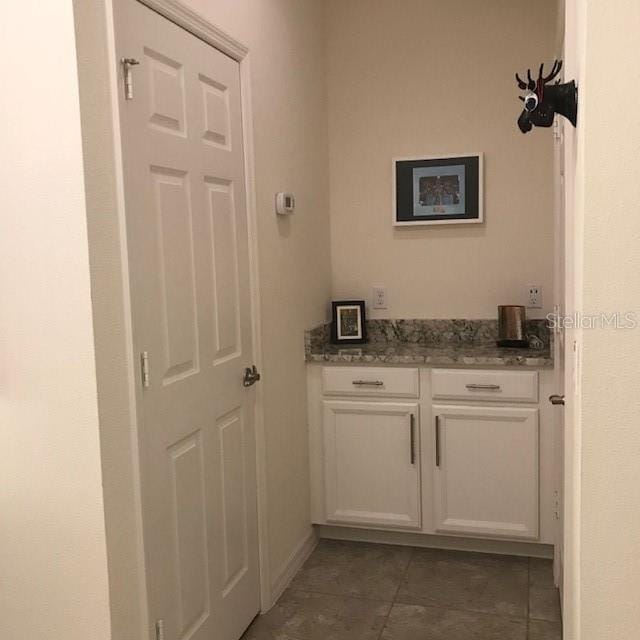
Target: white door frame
(195, 24)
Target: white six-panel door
(188, 258)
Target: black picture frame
(348, 322)
(438, 190)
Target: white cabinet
(486, 470)
(496, 478)
(371, 463)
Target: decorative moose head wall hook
(543, 100)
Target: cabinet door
(372, 463)
(486, 474)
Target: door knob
(251, 376)
(556, 399)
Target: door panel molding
(190, 533)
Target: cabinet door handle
(412, 436)
(368, 383)
(486, 387)
(437, 441)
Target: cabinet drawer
(371, 381)
(499, 386)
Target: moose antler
(542, 80)
(531, 85)
(557, 66)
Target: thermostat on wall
(285, 203)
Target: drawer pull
(413, 438)
(368, 383)
(484, 387)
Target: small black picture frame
(438, 190)
(348, 322)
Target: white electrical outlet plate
(379, 297)
(534, 292)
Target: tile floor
(360, 591)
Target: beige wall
(53, 566)
(427, 78)
(607, 196)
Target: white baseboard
(452, 543)
(292, 565)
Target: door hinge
(144, 369)
(127, 63)
(159, 629)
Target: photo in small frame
(348, 322)
(442, 190)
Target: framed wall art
(348, 322)
(438, 190)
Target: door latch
(127, 63)
(251, 376)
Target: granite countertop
(434, 343)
